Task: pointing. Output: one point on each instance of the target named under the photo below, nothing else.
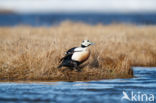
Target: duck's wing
(70, 51)
(68, 54)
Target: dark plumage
(75, 56)
(67, 61)
(68, 54)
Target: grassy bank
(33, 53)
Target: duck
(76, 56)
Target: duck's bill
(92, 43)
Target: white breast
(80, 54)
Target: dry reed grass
(33, 53)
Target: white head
(86, 43)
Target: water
(103, 91)
(55, 19)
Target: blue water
(103, 91)
(55, 19)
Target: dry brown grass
(29, 53)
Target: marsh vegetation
(33, 53)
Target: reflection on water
(103, 91)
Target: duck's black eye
(87, 40)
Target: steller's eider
(76, 56)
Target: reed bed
(33, 53)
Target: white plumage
(81, 54)
(76, 56)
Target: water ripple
(108, 91)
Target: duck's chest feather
(81, 55)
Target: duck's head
(86, 43)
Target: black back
(67, 61)
(70, 51)
(68, 55)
